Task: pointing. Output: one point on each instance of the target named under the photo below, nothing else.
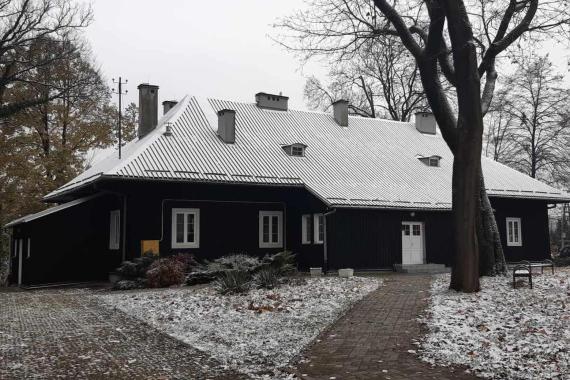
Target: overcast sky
(217, 49)
(207, 48)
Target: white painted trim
(510, 239)
(186, 212)
(422, 235)
(114, 229)
(29, 248)
(279, 243)
(317, 228)
(305, 228)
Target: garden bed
(258, 333)
(502, 332)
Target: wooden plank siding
(229, 217)
(71, 245)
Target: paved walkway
(372, 340)
(68, 335)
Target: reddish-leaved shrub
(166, 272)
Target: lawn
(502, 332)
(258, 333)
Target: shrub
(165, 272)
(562, 261)
(266, 278)
(187, 260)
(283, 263)
(238, 262)
(233, 282)
(131, 270)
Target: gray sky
(217, 49)
(207, 48)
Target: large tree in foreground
(454, 41)
(25, 24)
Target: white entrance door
(412, 243)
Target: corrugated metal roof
(49, 211)
(370, 163)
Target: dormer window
(296, 150)
(430, 160)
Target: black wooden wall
(70, 245)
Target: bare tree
(538, 108)
(380, 81)
(23, 25)
(451, 40)
(498, 128)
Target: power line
(119, 91)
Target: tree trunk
(491, 256)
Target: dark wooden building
(215, 177)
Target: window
(306, 230)
(295, 150)
(114, 229)
(406, 229)
(185, 228)
(433, 161)
(270, 229)
(319, 223)
(514, 235)
(416, 230)
(29, 248)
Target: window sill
(269, 245)
(185, 245)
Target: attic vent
(430, 160)
(296, 150)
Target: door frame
(423, 238)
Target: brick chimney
(167, 105)
(340, 112)
(227, 125)
(425, 123)
(148, 108)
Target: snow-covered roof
(370, 163)
(49, 211)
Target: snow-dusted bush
(266, 278)
(166, 272)
(239, 262)
(282, 263)
(233, 282)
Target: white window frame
(434, 160)
(114, 229)
(186, 212)
(317, 228)
(29, 248)
(511, 238)
(306, 232)
(271, 244)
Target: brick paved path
(372, 340)
(68, 335)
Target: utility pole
(119, 91)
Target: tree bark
(491, 256)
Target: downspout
(325, 246)
(124, 228)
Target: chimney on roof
(340, 112)
(167, 105)
(425, 123)
(227, 125)
(148, 108)
(271, 101)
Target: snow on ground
(258, 333)
(502, 332)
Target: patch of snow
(502, 332)
(258, 333)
